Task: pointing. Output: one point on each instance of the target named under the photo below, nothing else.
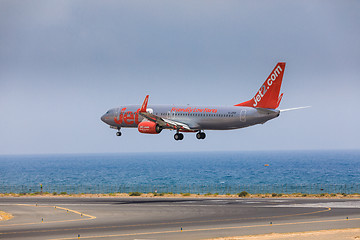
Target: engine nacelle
(149, 128)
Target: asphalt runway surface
(170, 218)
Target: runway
(170, 218)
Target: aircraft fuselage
(196, 117)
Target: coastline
(242, 195)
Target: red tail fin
(268, 94)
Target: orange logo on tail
(267, 85)
(268, 94)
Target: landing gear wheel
(200, 135)
(118, 134)
(178, 136)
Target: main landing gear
(200, 135)
(118, 133)
(178, 136)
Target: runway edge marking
(89, 217)
(205, 229)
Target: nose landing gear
(118, 133)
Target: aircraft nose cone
(103, 118)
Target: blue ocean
(216, 169)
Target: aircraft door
(170, 115)
(243, 116)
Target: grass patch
(134, 194)
(243, 194)
(158, 194)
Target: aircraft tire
(203, 135)
(118, 134)
(176, 137)
(198, 135)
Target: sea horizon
(169, 168)
(167, 152)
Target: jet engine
(149, 128)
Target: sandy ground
(341, 234)
(5, 216)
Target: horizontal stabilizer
(290, 109)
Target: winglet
(144, 105)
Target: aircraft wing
(163, 122)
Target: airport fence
(182, 188)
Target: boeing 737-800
(152, 119)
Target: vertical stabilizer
(268, 94)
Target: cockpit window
(107, 112)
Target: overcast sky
(65, 63)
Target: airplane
(153, 119)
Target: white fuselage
(196, 117)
